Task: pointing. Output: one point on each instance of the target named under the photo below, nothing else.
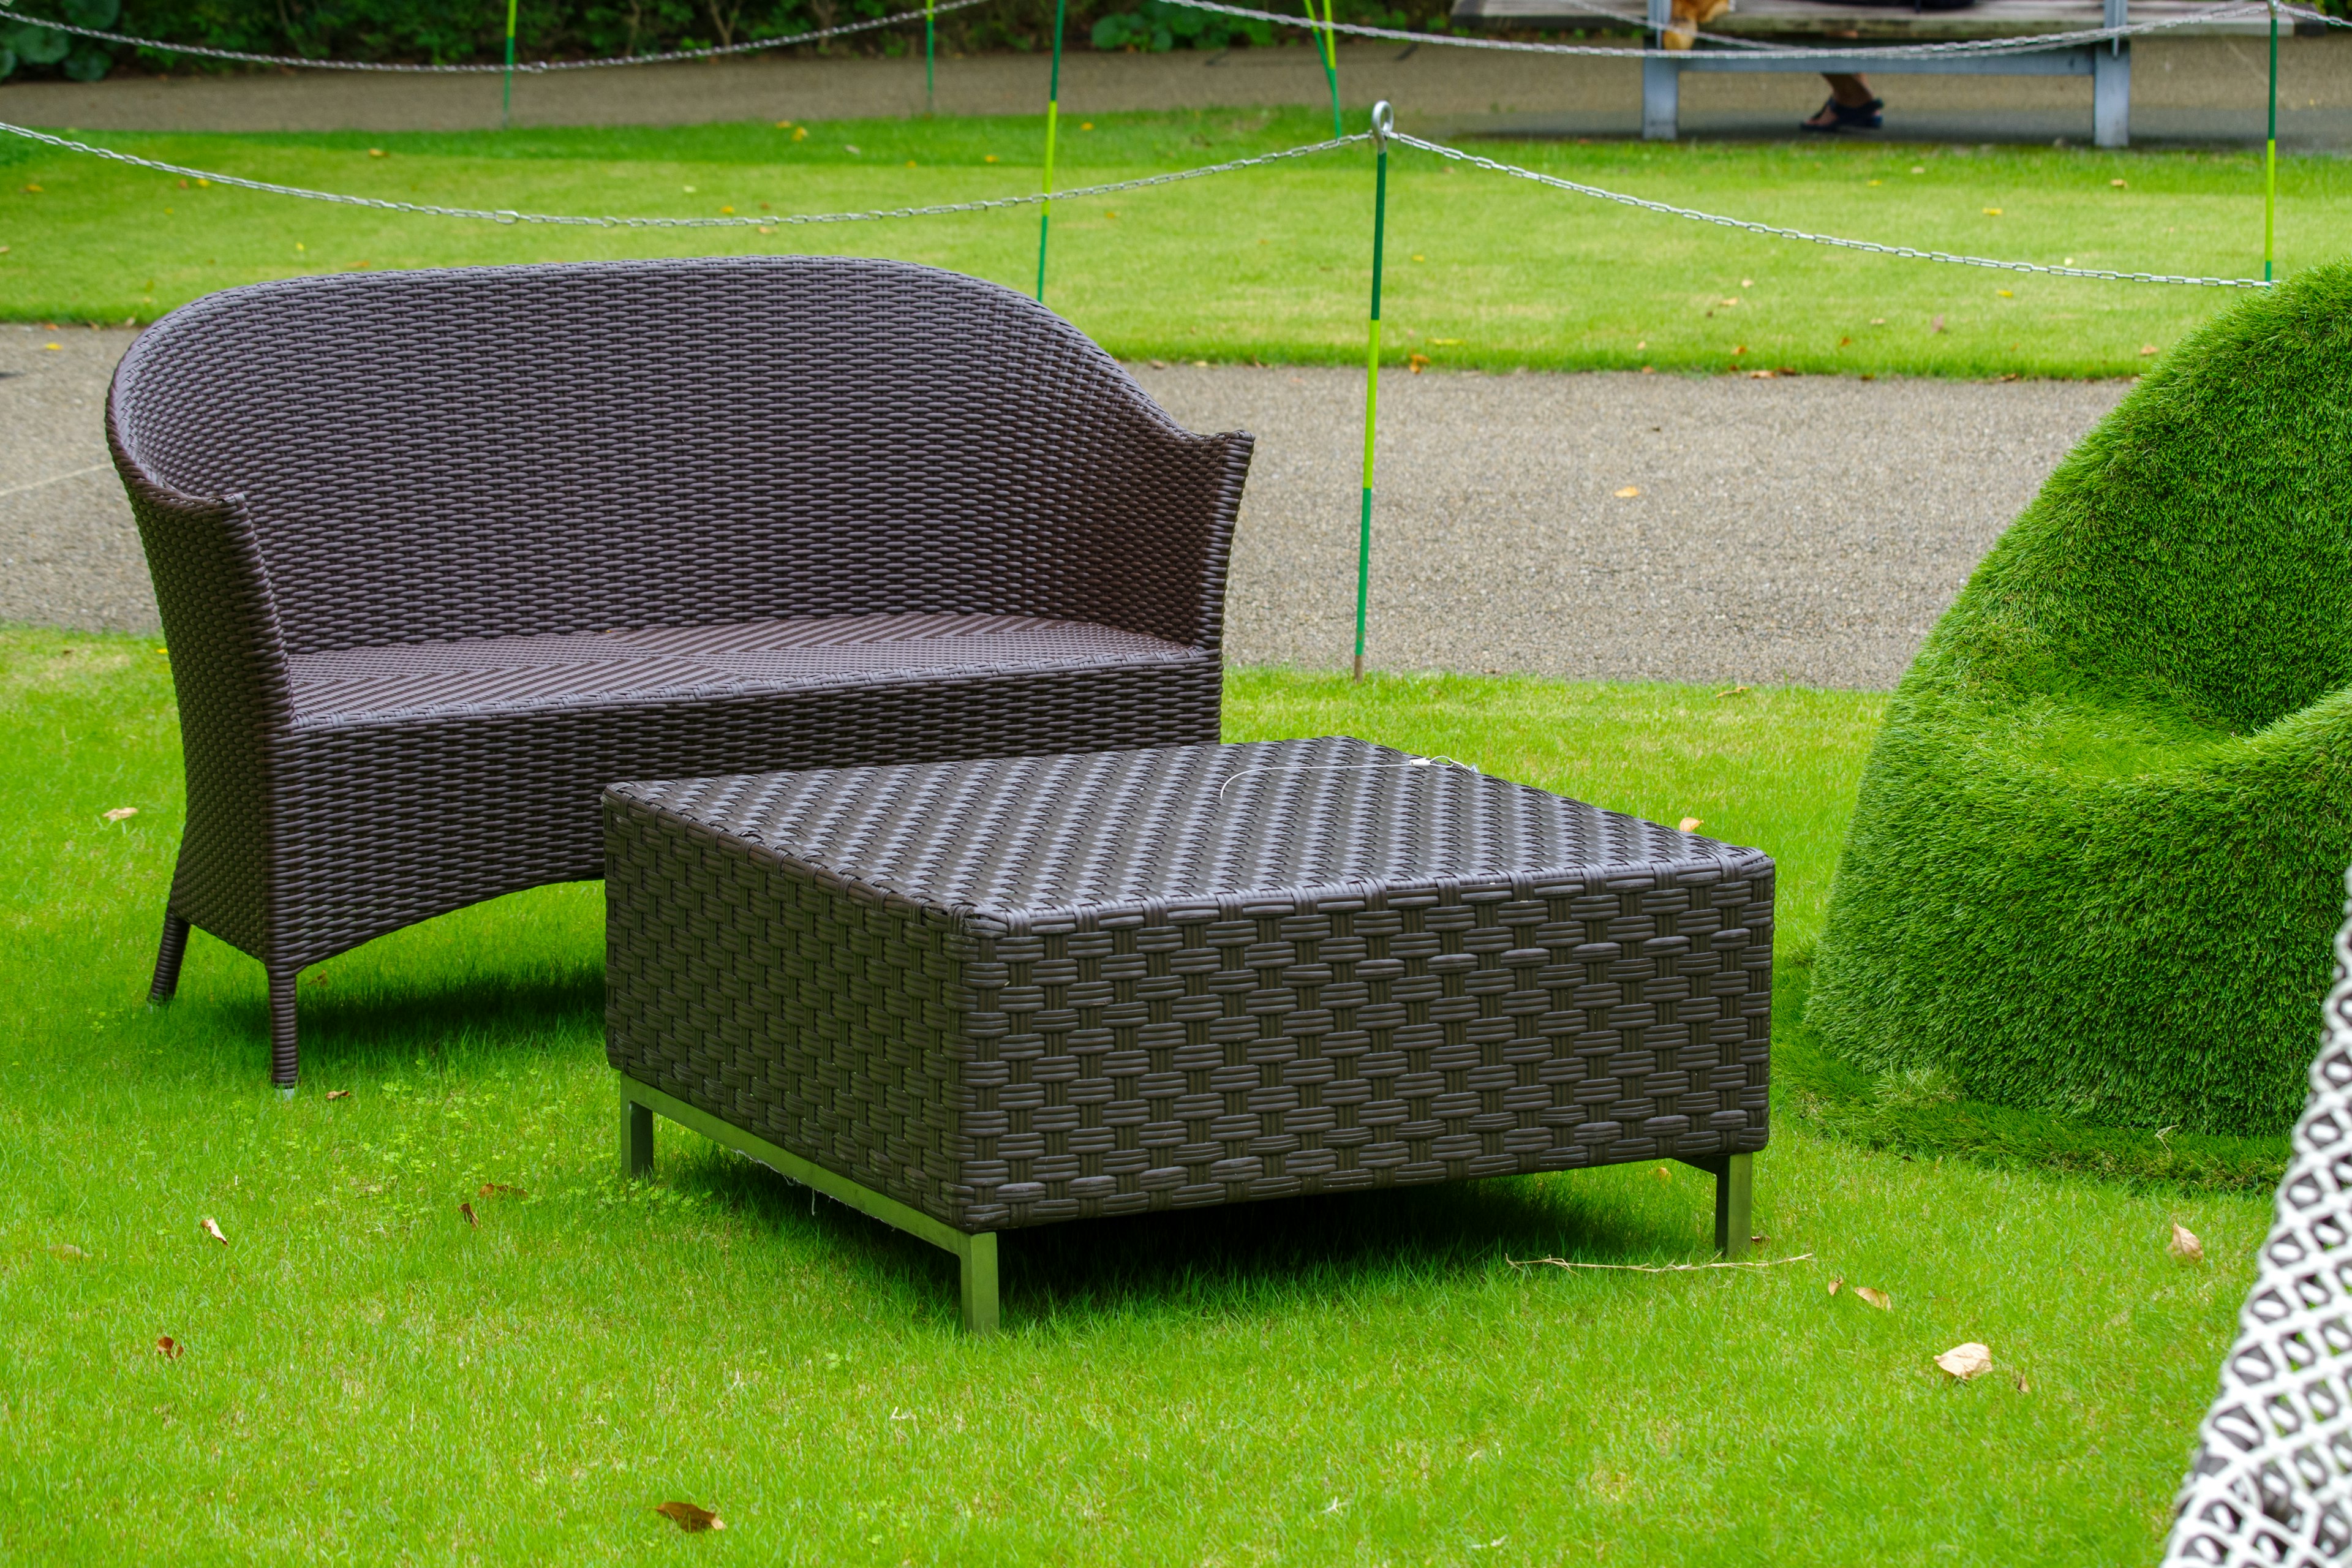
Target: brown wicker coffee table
(968, 998)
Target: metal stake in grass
(1052, 112)
(506, 101)
(1330, 54)
(930, 87)
(1383, 121)
(2269, 153)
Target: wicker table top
(1030, 845)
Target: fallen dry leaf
(1837, 1284)
(120, 812)
(2023, 1386)
(1993, 212)
(2116, 183)
(1875, 1296)
(1965, 1361)
(2185, 1244)
(1416, 362)
(500, 1190)
(1629, 492)
(467, 1210)
(689, 1518)
(168, 1348)
(68, 1251)
(1688, 825)
(2146, 350)
(339, 1094)
(1664, 1174)
(1937, 325)
(213, 1229)
(1760, 1239)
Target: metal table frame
(1734, 1188)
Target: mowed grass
(366, 1377)
(1270, 263)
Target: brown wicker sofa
(439, 554)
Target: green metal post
(1328, 50)
(1383, 119)
(1052, 114)
(2269, 155)
(506, 103)
(930, 86)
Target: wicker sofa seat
(440, 554)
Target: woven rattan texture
(2271, 1486)
(1018, 991)
(440, 554)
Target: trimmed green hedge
(2099, 851)
(474, 31)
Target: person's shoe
(1833, 117)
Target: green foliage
(2101, 845)
(474, 31)
(365, 1377)
(79, 59)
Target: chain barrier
(758, 220)
(1907, 252)
(2235, 10)
(521, 67)
(991, 203)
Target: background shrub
(452, 32)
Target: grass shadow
(1238, 1256)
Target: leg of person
(1850, 105)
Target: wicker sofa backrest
(496, 451)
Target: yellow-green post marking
(506, 102)
(1383, 119)
(1330, 54)
(1053, 113)
(2269, 155)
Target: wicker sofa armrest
(1162, 533)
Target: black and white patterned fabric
(2271, 1483)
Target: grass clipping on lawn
(2100, 844)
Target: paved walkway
(1806, 530)
(2183, 89)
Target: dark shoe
(1833, 117)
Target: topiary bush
(2099, 849)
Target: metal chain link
(521, 67)
(761, 220)
(1459, 156)
(2235, 10)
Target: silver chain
(767, 220)
(520, 68)
(2235, 10)
(1513, 169)
(762, 220)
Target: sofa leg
(285, 1047)
(1735, 1194)
(168, 954)
(979, 1259)
(637, 1137)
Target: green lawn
(1366, 1380)
(1484, 270)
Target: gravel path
(1805, 530)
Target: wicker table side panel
(820, 1022)
(1211, 1055)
